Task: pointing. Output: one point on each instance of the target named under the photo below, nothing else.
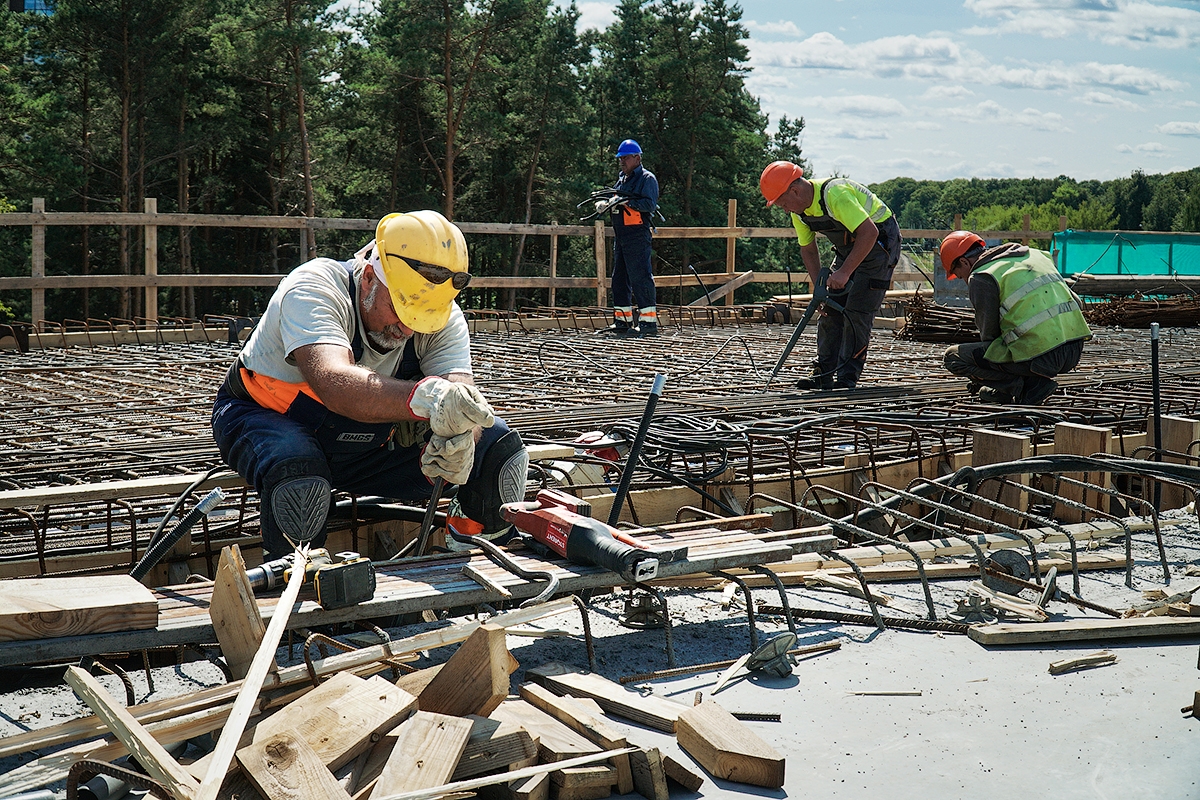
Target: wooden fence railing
(150, 279)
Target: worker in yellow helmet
(358, 377)
(1031, 326)
(866, 244)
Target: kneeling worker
(358, 378)
(1030, 323)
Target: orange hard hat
(955, 246)
(777, 178)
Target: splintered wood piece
(337, 719)
(1010, 603)
(649, 777)
(578, 718)
(584, 777)
(556, 742)
(236, 619)
(415, 682)
(1100, 659)
(428, 748)
(494, 744)
(285, 767)
(149, 753)
(247, 698)
(536, 787)
(44, 608)
(475, 679)
(653, 712)
(1081, 630)
(725, 747)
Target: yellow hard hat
(423, 257)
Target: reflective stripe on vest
(1037, 310)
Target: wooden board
(1084, 630)
(494, 745)
(653, 712)
(285, 767)
(475, 679)
(727, 748)
(998, 447)
(235, 615)
(337, 719)
(428, 747)
(578, 718)
(556, 742)
(44, 608)
(1082, 440)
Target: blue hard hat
(629, 148)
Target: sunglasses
(435, 273)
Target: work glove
(603, 206)
(449, 457)
(451, 408)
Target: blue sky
(1092, 89)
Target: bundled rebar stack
(926, 321)
(1178, 312)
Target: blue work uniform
(633, 276)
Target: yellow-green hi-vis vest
(1037, 310)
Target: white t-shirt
(312, 306)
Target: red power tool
(562, 522)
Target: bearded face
(391, 337)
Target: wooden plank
(1178, 433)
(556, 741)
(243, 705)
(235, 616)
(494, 744)
(41, 608)
(728, 749)
(285, 767)
(476, 678)
(735, 282)
(427, 750)
(337, 719)
(1082, 440)
(585, 777)
(653, 712)
(649, 777)
(998, 447)
(536, 787)
(153, 757)
(568, 711)
(1084, 630)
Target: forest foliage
(489, 110)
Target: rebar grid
(104, 412)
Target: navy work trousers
(633, 277)
(267, 448)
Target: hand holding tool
(344, 579)
(451, 407)
(450, 458)
(820, 298)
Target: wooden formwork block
(728, 749)
(1178, 433)
(998, 447)
(235, 615)
(1082, 440)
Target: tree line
(490, 111)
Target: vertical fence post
(601, 266)
(150, 239)
(1025, 228)
(958, 222)
(731, 248)
(553, 264)
(37, 310)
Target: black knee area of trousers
(501, 479)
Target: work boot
(1037, 390)
(616, 329)
(999, 397)
(646, 329)
(821, 383)
(840, 384)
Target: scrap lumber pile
(337, 728)
(926, 321)
(1179, 312)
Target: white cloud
(596, 14)
(1128, 23)
(944, 92)
(938, 59)
(866, 106)
(1108, 100)
(992, 113)
(1180, 128)
(784, 27)
(859, 133)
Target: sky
(933, 90)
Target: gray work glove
(451, 408)
(449, 457)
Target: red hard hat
(776, 178)
(956, 245)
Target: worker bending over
(358, 378)
(1030, 324)
(866, 243)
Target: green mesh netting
(1112, 253)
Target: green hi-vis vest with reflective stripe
(1037, 310)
